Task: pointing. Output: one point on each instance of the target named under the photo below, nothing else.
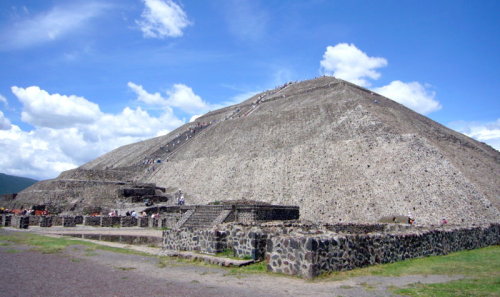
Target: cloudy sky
(80, 78)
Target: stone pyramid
(340, 152)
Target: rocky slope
(340, 152)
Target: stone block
(143, 222)
(78, 220)
(21, 222)
(6, 220)
(91, 221)
(128, 222)
(110, 221)
(34, 220)
(57, 221)
(68, 222)
(46, 221)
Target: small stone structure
(68, 221)
(308, 250)
(92, 221)
(21, 222)
(46, 221)
(110, 221)
(6, 220)
(128, 222)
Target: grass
(229, 253)
(50, 245)
(486, 286)
(481, 268)
(479, 262)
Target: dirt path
(78, 271)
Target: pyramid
(340, 152)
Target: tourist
(127, 214)
(444, 221)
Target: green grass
(49, 245)
(480, 267)
(479, 262)
(486, 286)
(229, 253)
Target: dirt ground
(80, 271)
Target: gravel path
(80, 271)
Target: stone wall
(128, 222)
(110, 221)
(311, 255)
(21, 222)
(57, 221)
(6, 220)
(68, 221)
(78, 220)
(91, 221)
(263, 213)
(246, 242)
(204, 241)
(46, 221)
(143, 222)
(34, 220)
(309, 250)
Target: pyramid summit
(340, 152)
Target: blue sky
(80, 78)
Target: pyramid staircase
(203, 217)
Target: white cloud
(162, 19)
(183, 97)
(3, 100)
(180, 96)
(49, 26)
(486, 132)
(148, 98)
(4, 122)
(71, 130)
(412, 95)
(194, 118)
(54, 110)
(347, 62)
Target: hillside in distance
(10, 184)
(340, 152)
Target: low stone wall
(21, 222)
(34, 220)
(57, 221)
(263, 213)
(204, 241)
(128, 222)
(6, 219)
(91, 221)
(310, 255)
(309, 250)
(78, 220)
(46, 221)
(110, 221)
(68, 222)
(247, 242)
(143, 222)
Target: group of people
(23, 212)
(133, 213)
